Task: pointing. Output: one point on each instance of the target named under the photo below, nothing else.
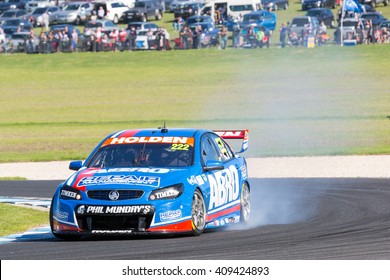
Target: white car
(33, 4)
(142, 42)
(113, 9)
(75, 12)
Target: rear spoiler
(235, 134)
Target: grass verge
(23, 218)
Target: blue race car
(154, 181)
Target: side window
(208, 150)
(223, 150)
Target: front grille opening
(123, 194)
(129, 222)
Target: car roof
(170, 132)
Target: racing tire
(245, 203)
(198, 213)
(60, 236)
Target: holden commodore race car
(154, 181)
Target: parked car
(323, 15)
(262, 17)
(75, 12)
(188, 9)
(275, 5)
(375, 17)
(304, 24)
(11, 26)
(374, 3)
(386, 24)
(142, 26)
(144, 10)
(309, 4)
(33, 4)
(352, 30)
(142, 42)
(113, 9)
(107, 26)
(14, 4)
(38, 12)
(22, 42)
(196, 19)
(12, 14)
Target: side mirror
(75, 165)
(212, 165)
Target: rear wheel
(198, 213)
(245, 204)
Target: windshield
(252, 18)
(139, 5)
(146, 154)
(39, 11)
(72, 7)
(11, 22)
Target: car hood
(118, 178)
(65, 13)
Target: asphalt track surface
(292, 219)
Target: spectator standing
(132, 38)
(260, 37)
(45, 21)
(283, 35)
(101, 12)
(177, 24)
(75, 40)
(185, 35)
(93, 16)
(122, 39)
(224, 36)
(114, 37)
(196, 37)
(149, 36)
(236, 36)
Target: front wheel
(245, 204)
(198, 213)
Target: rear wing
(235, 134)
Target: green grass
(295, 101)
(22, 218)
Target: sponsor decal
(127, 209)
(122, 231)
(121, 179)
(61, 215)
(69, 194)
(224, 187)
(244, 172)
(126, 170)
(151, 139)
(232, 134)
(196, 180)
(171, 215)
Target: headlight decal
(170, 192)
